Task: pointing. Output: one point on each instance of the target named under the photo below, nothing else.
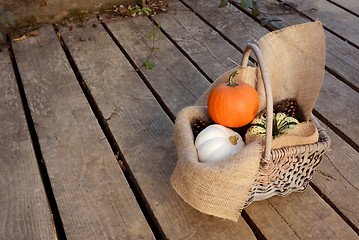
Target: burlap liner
(217, 188)
(295, 58)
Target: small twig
(230, 59)
(152, 47)
(153, 40)
(288, 12)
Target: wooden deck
(87, 143)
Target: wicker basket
(287, 169)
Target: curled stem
(232, 81)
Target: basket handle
(268, 92)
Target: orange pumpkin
(233, 104)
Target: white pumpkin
(216, 142)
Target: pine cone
(198, 126)
(287, 106)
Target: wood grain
(93, 196)
(204, 45)
(351, 5)
(305, 214)
(269, 221)
(171, 66)
(142, 129)
(24, 210)
(338, 104)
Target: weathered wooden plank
(181, 17)
(302, 213)
(333, 17)
(142, 129)
(232, 22)
(269, 221)
(204, 45)
(351, 5)
(338, 104)
(93, 196)
(171, 65)
(24, 210)
(337, 177)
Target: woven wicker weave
(287, 169)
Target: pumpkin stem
(234, 139)
(232, 81)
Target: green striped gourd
(281, 124)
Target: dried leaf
(35, 33)
(43, 4)
(122, 165)
(23, 37)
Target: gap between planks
(141, 200)
(139, 72)
(182, 51)
(335, 208)
(59, 228)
